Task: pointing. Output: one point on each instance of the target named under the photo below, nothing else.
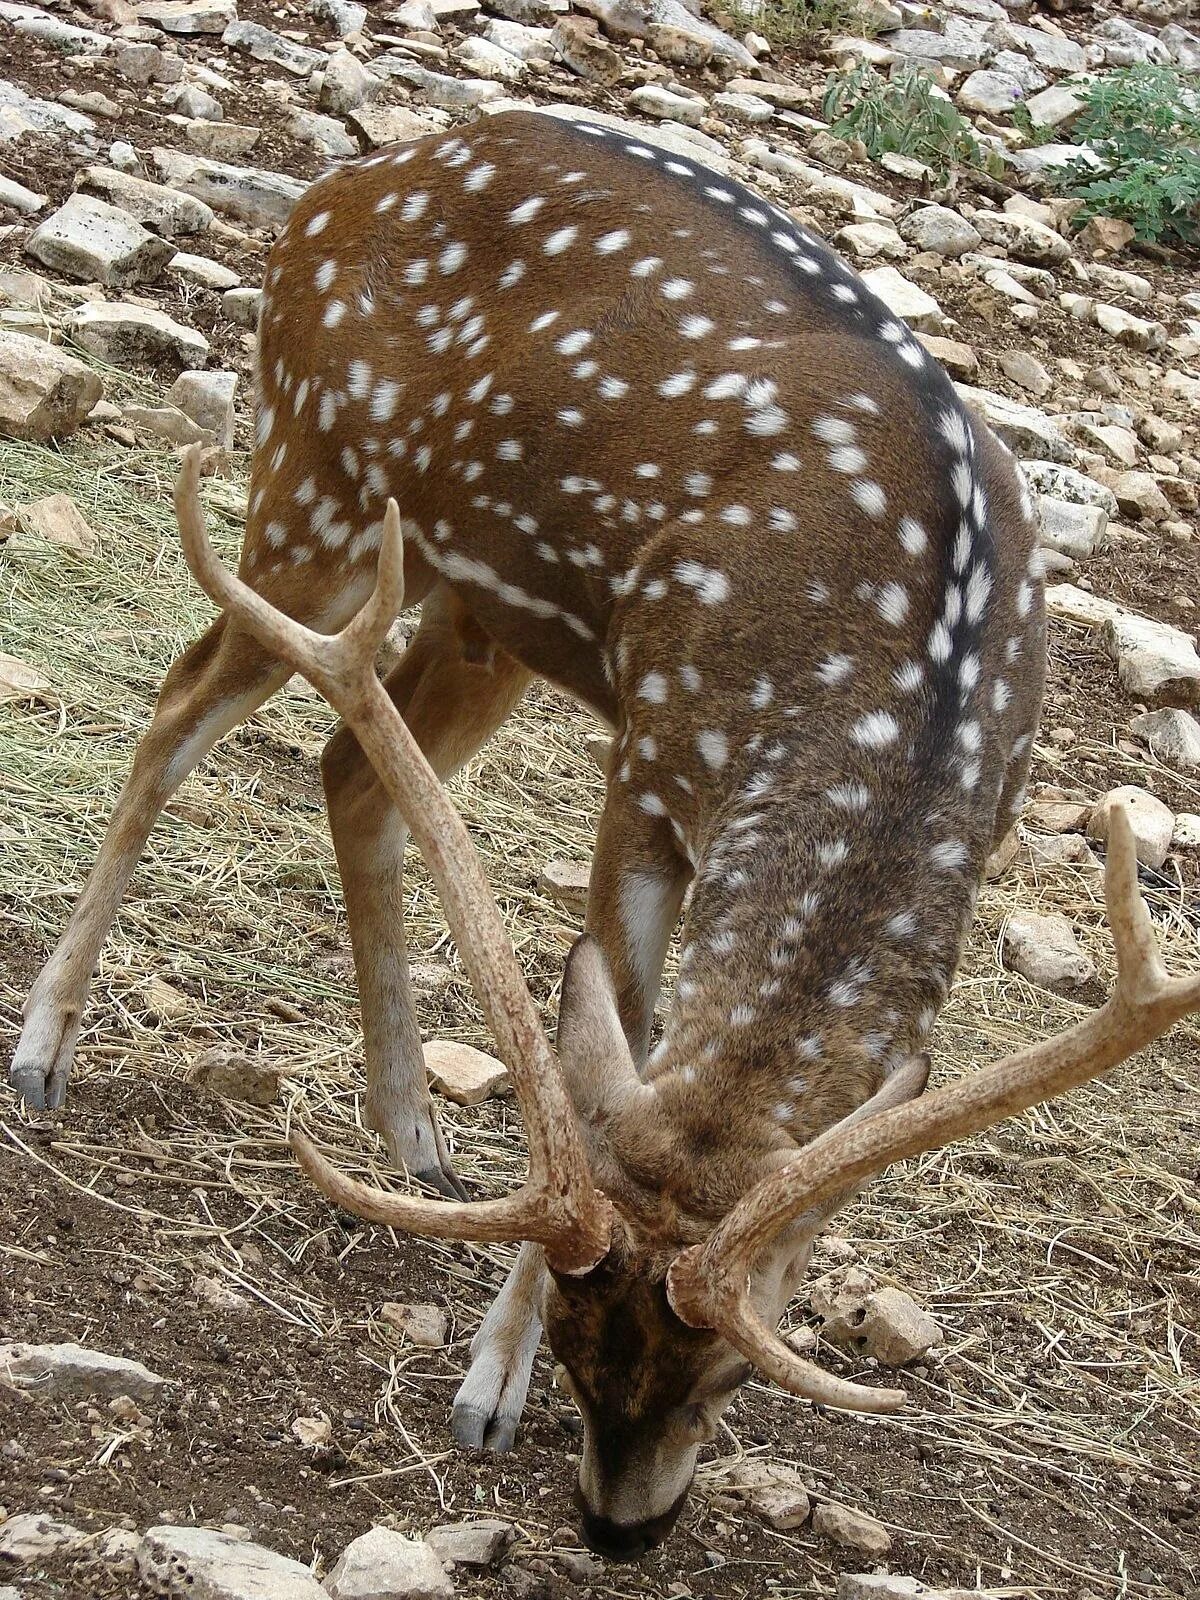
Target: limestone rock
(959, 360)
(19, 681)
(228, 141)
(202, 271)
(236, 1077)
(1023, 428)
(479, 1543)
(73, 1371)
(1027, 371)
(326, 135)
(451, 94)
(680, 46)
(853, 1530)
(58, 520)
(866, 240)
(463, 1074)
(655, 101)
(1138, 495)
(95, 242)
(32, 1536)
(384, 1565)
(191, 101)
(264, 45)
(1044, 950)
(1136, 332)
(15, 196)
(1152, 822)
(1187, 831)
(347, 84)
(490, 60)
(1075, 531)
(125, 334)
(380, 125)
(205, 1565)
(775, 1492)
(188, 16)
(44, 392)
(885, 1323)
(993, 93)
(164, 211)
(1173, 737)
(248, 194)
(566, 882)
(1024, 238)
(166, 422)
(905, 299)
(599, 747)
(207, 398)
(423, 1325)
(1157, 664)
(242, 305)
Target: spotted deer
(618, 421)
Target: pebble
(1152, 822)
(851, 1529)
(463, 1074)
(1044, 949)
(385, 1565)
(74, 1370)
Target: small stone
(1187, 831)
(451, 94)
(218, 1294)
(313, 1432)
(679, 45)
(905, 299)
(253, 195)
(1026, 371)
(463, 1074)
(16, 197)
(190, 101)
(164, 211)
(44, 392)
(326, 135)
(1078, 532)
(582, 49)
(346, 84)
(959, 360)
(1173, 738)
(207, 398)
(865, 240)
(1138, 495)
(1152, 822)
(1109, 234)
(1044, 950)
(383, 1565)
(32, 1536)
(206, 1565)
(599, 747)
(1058, 816)
(234, 1076)
(381, 125)
(1129, 330)
(242, 306)
(264, 45)
(95, 242)
(479, 1543)
(1022, 237)
(72, 1371)
(19, 681)
(750, 109)
(126, 334)
(774, 1492)
(58, 520)
(1003, 856)
(853, 1530)
(164, 1002)
(566, 882)
(884, 1323)
(881, 1586)
(228, 141)
(424, 1325)
(654, 101)
(992, 93)
(166, 422)
(188, 16)
(203, 272)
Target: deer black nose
(626, 1541)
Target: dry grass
(1058, 1252)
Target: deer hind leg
(213, 686)
(453, 688)
(637, 885)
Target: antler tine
(708, 1283)
(558, 1206)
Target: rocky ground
(283, 1431)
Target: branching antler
(709, 1283)
(558, 1206)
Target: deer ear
(593, 1051)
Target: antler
(558, 1206)
(708, 1284)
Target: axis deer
(649, 439)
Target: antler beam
(709, 1283)
(558, 1207)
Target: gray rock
(1073, 530)
(228, 141)
(490, 60)
(74, 1370)
(1044, 163)
(1044, 950)
(1187, 831)
(188, 16)
(242, 306)
(1068, 483)
(1156, 663)
(343, 16)
(207, 398)
(1055, 107)
(528, 44)
(629, 19)
(249, 194)
(32, 1536)
(264, 45)
(15, 196)
(144, 63)
(380, 125)
(326, 135)
(586, 53)
(941, 230)
(346, 84)
(470, 1544)
(654, 101)
(1024, 429)
(1172, 736)
(44, 392)
(205, 1565)
(993, 93)
(750, 109)
(383, 1565)
(866, 240)
(1151, 821)
(1049, 50)
(1183, 45)
(126, 334)
(1128, 46)
(94, 242)
(1014, 65)
(166, 422)
(59, 35)
(24, 113)
(1125, 328)
(852, 1529)
(203, 272)
(1022, 237)
(905, 299)
(1027, 371)
(164, 211)
(963, 44)
(452, 94)
(193, 102)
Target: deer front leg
(491, 1397)
(453, 692)
(213, 686)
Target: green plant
(906, 114)
(1143, 125)
(792, 24)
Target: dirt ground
(1052, 1444)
